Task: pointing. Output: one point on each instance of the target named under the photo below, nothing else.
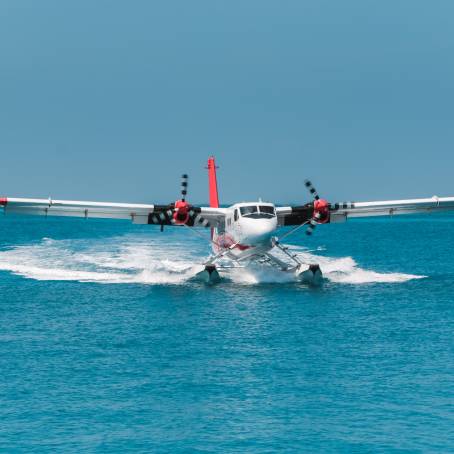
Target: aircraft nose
(260, 232)
(265, 230)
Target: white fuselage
(248, 229)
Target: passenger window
(235, 215)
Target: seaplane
(242, 234)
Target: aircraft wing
(136, 212)
(340, 212)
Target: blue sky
(113, 100)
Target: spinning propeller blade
(311, 189)
(312, 224)
(184, 186)
(321, 209)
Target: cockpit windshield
(258, 212)
(245, 211)
(267, 210)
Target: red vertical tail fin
(213, 183)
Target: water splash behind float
(131, 259)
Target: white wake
(143, 261)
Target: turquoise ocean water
(107, 346)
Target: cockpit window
(268, 210)
(260, 212)
(245, 211)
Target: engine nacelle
(321, 211)
(181, 213)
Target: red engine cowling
(181, 213)
(321, 210)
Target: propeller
(320, 214)
(179, 213)
(184, 213)
(181, 210)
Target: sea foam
(139, 260)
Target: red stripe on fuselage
(3, 201)
(243, 247)
(226, 241)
